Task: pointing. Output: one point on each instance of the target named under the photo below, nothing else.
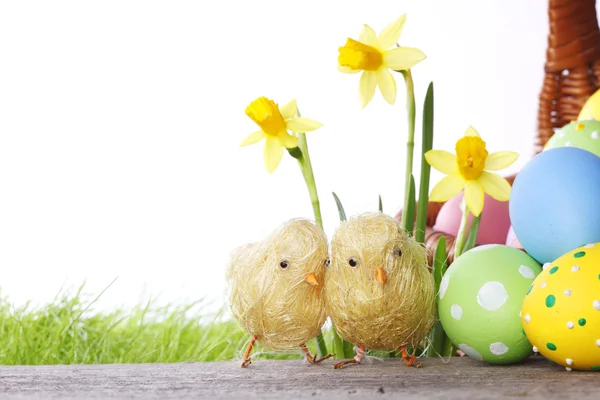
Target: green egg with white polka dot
(480, 302)
(581, 134)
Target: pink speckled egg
(511, 239)
(495, 220)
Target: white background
(120, 123)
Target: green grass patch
(70, 331)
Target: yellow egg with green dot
(561, 311)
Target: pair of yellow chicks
(376, 287)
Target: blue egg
(555, 202)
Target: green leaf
(440, 262)
(472, 235)
(340, 207)
(410, 210)
(427, 144)
(437, 336)
(380, 204)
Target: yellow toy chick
(379, 292)
(276, 288)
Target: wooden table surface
(461, 378)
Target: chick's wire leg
(360, 353)
(410, 361)
(246, 360)
(310, 358)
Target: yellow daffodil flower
(467, 169)
(372, 55)
(274, 123)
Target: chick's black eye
(353, 262)
(397, 252)
(327, 262)
(283, 264)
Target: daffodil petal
(447, 188)
(302, 125)
(366, 87)
(253, 138)
(387, 85)
(442, 160)
(474, 197)
(348, 70)
(471, 132)
(289, 110)
(273, 153)
(402, 58)
(495, 186)
(390, 34)
(368, 36)
(500, 160)
(288, 141)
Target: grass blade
(340, 207)
(409, 221)
(425, 167)
(437, 336)
(380, 204)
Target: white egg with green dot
(480, 300)
(581, 134)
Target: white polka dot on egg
(546, 266)
(526, 272)
(596, 305)
(471, 352)
(492, 296)
(498, 348)
(570, 325)
(444, 285)
(575, 268)
(456, 312)
(568, 292)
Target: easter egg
(554, 202)
(561, 312)
(591, 108)
(494, 223)
(581, 134)
(480, 299)
(512, 240)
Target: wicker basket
(571, 76)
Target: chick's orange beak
(311, 279)
(380, 275)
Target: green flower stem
(410, 144)
(461, 236)
(309, 177)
